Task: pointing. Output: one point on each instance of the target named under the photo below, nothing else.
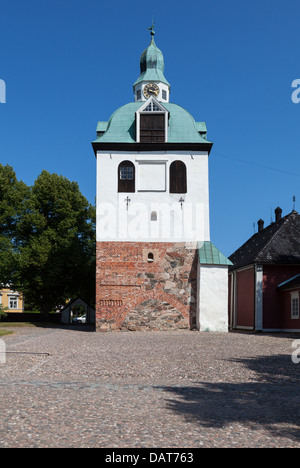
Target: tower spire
(152, 73)
(152, 29)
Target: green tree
(56, 244)
(13, 198)
(3, 313)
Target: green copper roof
(152, 65)
(210, 255)
(121, 126)
(101, 128)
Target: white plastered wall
(119, 220)
(212, 304)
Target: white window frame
(294, 305)
(15, 298)
(126, 173)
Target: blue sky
(68, 64)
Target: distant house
(12, 301)
(264, 281)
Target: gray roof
(278, 243)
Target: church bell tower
(152, 81)
(156, 267)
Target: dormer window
(152, 107)
(152, 128)
(152, 123)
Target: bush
(78, 310)
(2, 312)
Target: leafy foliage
(3, 313)
(47, 240)
(13, 196)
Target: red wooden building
(264, 281)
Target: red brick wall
(246, 298)
(134, 294)
(274, 310)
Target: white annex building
(156, 266)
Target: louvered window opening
(152, 127)
(178, 182)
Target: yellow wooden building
(11, 301)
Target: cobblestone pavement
(70, 387)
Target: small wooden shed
(66, 313)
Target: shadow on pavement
(271, 401)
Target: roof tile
(278, 243)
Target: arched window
(150, 258)
(126, 177)
(153, 215)
(178, 177)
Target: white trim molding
(258, 297)
(294, 305)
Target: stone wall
(135, 293)
(154, 315)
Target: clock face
(151, 89)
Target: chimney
(278, 213)
(260, 224)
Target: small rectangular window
(126, 173)
(164, 94)
(13, 302)
(123, 173)
(129, 173)
(295, 306)
(138, 94)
